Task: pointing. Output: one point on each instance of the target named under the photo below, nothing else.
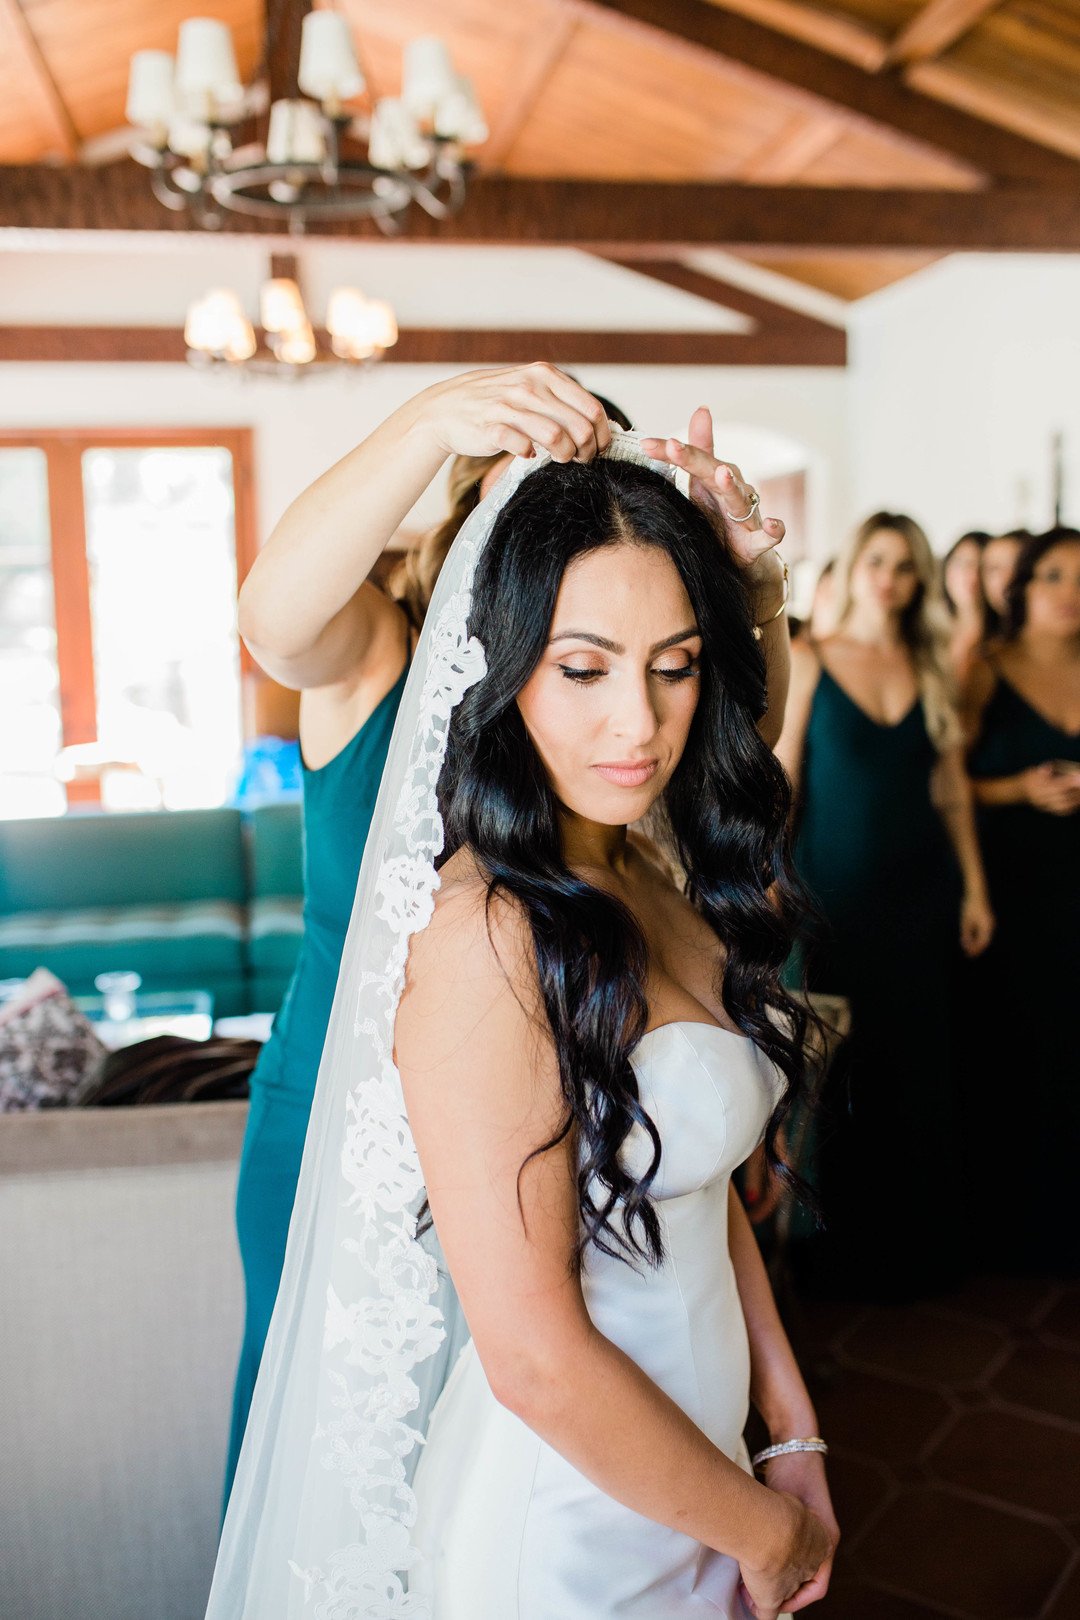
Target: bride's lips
(628, 773)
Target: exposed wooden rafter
(934, 28)
(841, 33)
(880, 99)
(772, 319)
(807, 137)
(627, 219)
(24, 53)
(537, 65)
(813, 344)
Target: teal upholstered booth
(189, 899)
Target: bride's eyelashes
(588, 677)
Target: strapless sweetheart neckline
(694, 1023)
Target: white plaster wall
(960, 377)
(770, 419)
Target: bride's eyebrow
(616, 647)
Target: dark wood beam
(767, 312)
(626, 219)
(936, 26)
(879, 99)
(282, 45)
(431, 346)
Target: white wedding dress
(511, 1530)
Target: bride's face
(609, 706)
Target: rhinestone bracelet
(813, 1442)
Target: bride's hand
(512, 410)
(721, 491)
(802, 1474)
(789, 1577)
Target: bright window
(30, 724)
(120, 665)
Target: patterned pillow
(49, 1053)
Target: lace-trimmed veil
(366, 1321)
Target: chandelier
(218, 333)
(216, 146)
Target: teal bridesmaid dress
(339, 801)
(1022, 1099)
(874, 853)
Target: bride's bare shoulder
(475, 942)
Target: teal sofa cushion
(162, 892)
(189, 899)
(148, 858)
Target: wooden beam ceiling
(24, 54)
(783, 345)
(934, 28)
(773, 321)
(638, 220)
(842, 33)
(806, 138)
(878, 99)
(542, 61)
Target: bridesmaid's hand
(977, 924)
(802, 1474)
(723, 494)
(1057, 792)
(512, 410)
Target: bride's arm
(777, 1388)
(482, 1088)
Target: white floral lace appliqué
(395, 1325)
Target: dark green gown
(339, 800)
(1022, 1092)
(875, 855)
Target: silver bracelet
(813, 1442)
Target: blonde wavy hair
(924, 623)
(412, 581)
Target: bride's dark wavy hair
(726, 809)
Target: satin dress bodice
(510, 1529)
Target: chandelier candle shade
(296, 133)
(216, 326)
(328, 71)
(281, 308)
(308, 162)
(207, 79)
(218, 333)
(150, 102)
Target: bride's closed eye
(588, 676)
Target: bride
(544, 1064)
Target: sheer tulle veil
(366, 1323)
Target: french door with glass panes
(120, 558)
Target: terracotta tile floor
(955, 1463)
